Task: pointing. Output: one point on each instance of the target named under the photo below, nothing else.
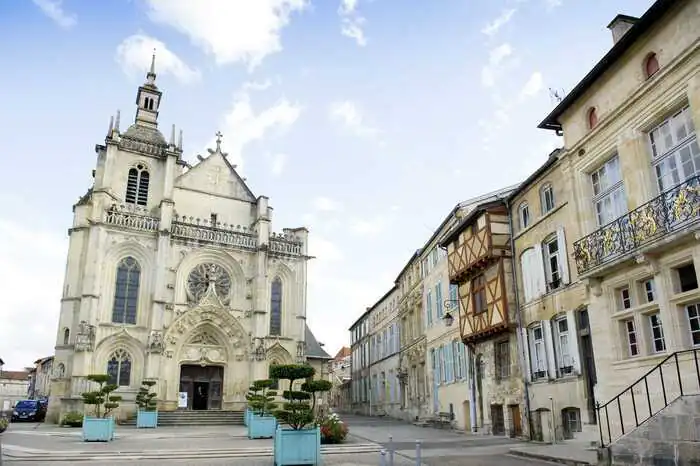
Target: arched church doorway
(202, 385)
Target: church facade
(174, 274)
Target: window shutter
(526, 354)
(563, 256)
(540, 281)
(573, 342)
(526, 272)
(549, 349)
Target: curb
(550, 458)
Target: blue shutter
(453, 295)
(438, 299)
(449, 361)
(429, 309)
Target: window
(126, 292)
(276, 307)
(454, 297)
(608, 192)
(625, 298)
(647, 289)
(429, 307)
(479, 294)
(547, 198)
(441, 365)
(551, 263)
(449, 365)
(658, 344)
(502, 360)
(675, 151)
(651, 65)
(524, 215)
(66, 336)
(693, 313)
(565, 359)
(119, 368)
(458, 359)
(539, 355)
(631, 333)
(571, 421)
(438, 300)
(214, 220)
(592, 118)
(137, 186)
(687, 280)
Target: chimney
(620, 25)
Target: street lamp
(448, 317)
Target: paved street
(46, 444)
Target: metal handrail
(644, 379)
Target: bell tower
(148, 99)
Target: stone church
(174, 274)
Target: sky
(364, 120)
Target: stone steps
(196, 418)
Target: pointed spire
(172, 136)
(116, 121)
(111, 126)
(179, 141)
(151, 75)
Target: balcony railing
(131, 217)
(672, 211)
(194, 229)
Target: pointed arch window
(119, 368)
(66, 336)
(276, 307)
(137, 185)
(126, 291)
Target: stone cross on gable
(218, 140)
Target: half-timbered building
(480, 264)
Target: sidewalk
(571, 452)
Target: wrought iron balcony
(673, 211)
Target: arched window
(547, 198)
(592, 118)
(137, 185)
(276, 307)
(126, 291)
(60, 371)
(119, 368)
(524, 215)
(66, 336)
(651, 65)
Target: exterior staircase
(196, 418)
(656, 420)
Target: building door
(498, 424)
(588, 359)
(516, 422)
(203, 386)
(200, 400)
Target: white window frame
(660, 338)
(553, 273)
(666, 146)
(625, 296)
(630, 329)
(547, 198)
(648, 289)
(524, 215)
(695, 309)
(609, 198)
(565, 363)
(538, 353)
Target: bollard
(383, 457)
(418, 451)
(391, 451)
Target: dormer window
(524, 215)
(137, 186)
(592, 118)
(651, 65)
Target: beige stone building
(174, 274)
(360, 357)
(339, 372)
(630, 127)
(40, 378)
(14, 386)
(480, 262)
(412, 357)
(558, 353)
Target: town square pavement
(38, 444)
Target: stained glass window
(119, 368)
(276, 307)
(126, 293)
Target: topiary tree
(102, 398)
(261, 398)
(296, 412)
(145, 399)
(313, 387)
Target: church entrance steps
(196, 418)
(22, 454)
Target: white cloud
(494, 68)
(243, 125)
(54, 10)
(350, 115)
(553, 3)
(368, 227)
(532, 86)
(31, 271)
(352, 22)
(134, 56)
(278, 163)
(325, 204)
(240, 31)
(493, 27)
(324, 250)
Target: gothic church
(174, 274)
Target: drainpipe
(472, 388)
(519, 323)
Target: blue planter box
(146, 419)
(297, 447)
(246, 417)
(261, 426)
(97, 429)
